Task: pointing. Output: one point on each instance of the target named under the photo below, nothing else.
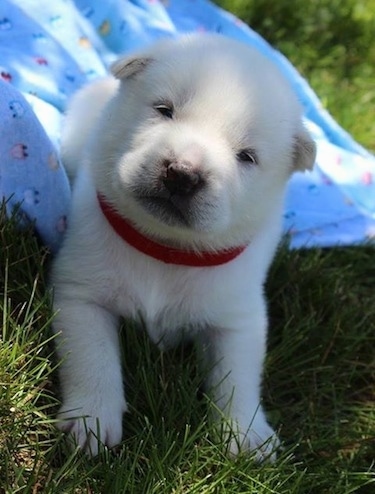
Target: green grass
(332, 43)
(319, 385)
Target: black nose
(181, 178)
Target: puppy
(183, 160)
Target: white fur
(226, 98)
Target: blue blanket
(50, 49)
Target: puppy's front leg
(90, 374)
(235, 359)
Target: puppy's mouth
(174, 196)
(172, 211)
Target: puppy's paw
(90, 424)
(260, 440)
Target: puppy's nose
(182, 178)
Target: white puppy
(184, 156)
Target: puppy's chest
(164, 300)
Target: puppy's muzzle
(182, 178)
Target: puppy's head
(199, 141)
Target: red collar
(169, 255)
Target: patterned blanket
(50, 49)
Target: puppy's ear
(129, 66)
(304, 151)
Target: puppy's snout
(182, 178)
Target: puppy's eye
(247, 156)
(165, 110)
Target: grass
(319, 385)
(332, 43)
